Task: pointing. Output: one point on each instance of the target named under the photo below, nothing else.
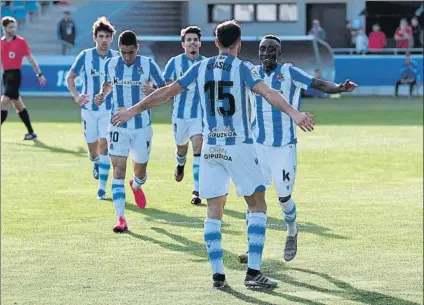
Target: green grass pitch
(359, 193)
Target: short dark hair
(5, 21)
(269, 36)
(127, 38)
(228, 33)
(103, 25)
(191, 30)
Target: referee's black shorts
(12, 82)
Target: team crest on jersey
(280, 77)
(12, 55)
(140, 70)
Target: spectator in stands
(317, 31)
(66, 32)
(408, 75)
(347, 43)
(361, 42)
(403, 35)
(416, 32)
(377, 39)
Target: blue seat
(17, 4)
(20, 14)
(6, 11)
(31, 6)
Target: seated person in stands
(408, 75)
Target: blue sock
(104, 168)
(196, 162)
(256, 238)
(213, 238)
(118, 196)
(181, 160)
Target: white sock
(213, 240)
(289, 214)
(104, 168)
(118, 195)
(138, 182)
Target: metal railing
(386, 51)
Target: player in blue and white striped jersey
(186, 108)
(275, 133)
(125, 77)
(228, 151)
(95, 120)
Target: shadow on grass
(80, 152)
(277, 270)
(345, 290)
(278, 224)
(175, 219)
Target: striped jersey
(186, 104)
(272, 127)
(223, 82)
(91, 66)
(126, 85)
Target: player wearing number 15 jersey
(228, 151)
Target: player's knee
(103, 147)
(284, 199)
(18, 106)
(182, 150)
(197, 142)
(5, 103)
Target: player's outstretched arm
(157, 98)
(329, 87)
(302, 119)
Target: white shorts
(95, 124)
(220, 163)
(279, 165)
(123, 142)
(184, 129)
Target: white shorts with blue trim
(124, 142)
(95, 124)
(219, 163)
(184, 129)
(278, 165)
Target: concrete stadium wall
(197, 13)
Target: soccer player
(90, 63)
(186, 109)
(228, 150)
(275, 135)
(13, 50)
(124, 77)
